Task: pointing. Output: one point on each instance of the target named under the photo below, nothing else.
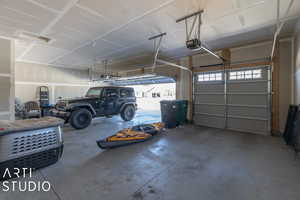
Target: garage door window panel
(246, 75)
(210, 77)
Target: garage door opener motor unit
(193, 33)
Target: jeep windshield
(94, 92)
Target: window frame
(245, 75)
(127, 91)
(208, 77)
(104, 94)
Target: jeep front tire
(128, 113)
(81, 118)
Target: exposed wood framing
(275, 91)
(226, 54)
(178, 79)
(254, 64)
(233, 66)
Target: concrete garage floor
(185, 163)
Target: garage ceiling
(86, 31)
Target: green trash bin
(181, 114)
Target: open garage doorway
(149, 91)
(149, 96)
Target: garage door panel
(216, 87)
(253, 99)
(210, 99)
(209, 121)
(242, 102)
(260, 86)
(253, 112)
(210, 109)
(248, 125)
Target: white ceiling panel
(145, 47)
(216, 9)
(77, 27)
(130, 35)
(67, 37)
(249, 3)
(82, 20)
(43, 54)
(120, 11)
(89, 53)
(121, 28)
(94, 50)
(54, 4)
(24, 15)
(74, 60)
(260, 14)
(227, 25)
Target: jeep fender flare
(127, 104)
(74, 106)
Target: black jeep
(98, 102)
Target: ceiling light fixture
(34, 37)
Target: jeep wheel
(128, 113)
(80, 119)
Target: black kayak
(103, 144)
(147, 128)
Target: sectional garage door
(236, 99)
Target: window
(94, 92)
(210, 77)
(111, 92)
(246, 75)
(127, 93)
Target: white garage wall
(65, 83)
(297, 68)
(6, 79)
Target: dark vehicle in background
(98, 102)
